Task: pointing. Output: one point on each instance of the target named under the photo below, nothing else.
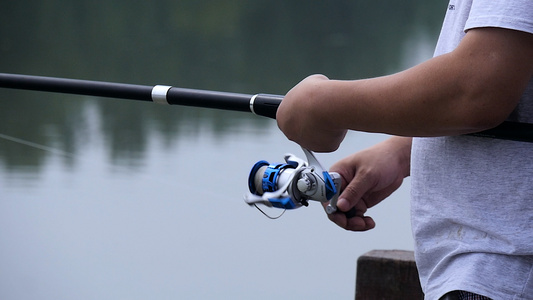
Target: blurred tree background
(235, 45)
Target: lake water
(115, 199)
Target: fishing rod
(286, 185)
(260, 104)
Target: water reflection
(114, 199)
(242, 46)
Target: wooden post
(387, 274)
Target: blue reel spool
(269, 182)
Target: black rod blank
(260, 104)
(76, 86)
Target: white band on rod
(159, 94)
(252, 103)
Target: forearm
(427, 100)
(473, 88)
(402, 147)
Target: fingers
(356, 222)
(368, 177)
(359, 195)
(355, 191)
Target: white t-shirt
(472, 197)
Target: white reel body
(292, 184)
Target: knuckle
(352, 192)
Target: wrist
(401, 147)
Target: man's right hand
(368, 177)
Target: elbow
(488, 112)
(485, 122)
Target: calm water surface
(114, 199)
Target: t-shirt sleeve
(509, 14)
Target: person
(472, 197)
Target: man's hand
(307, 122)
(369, 177)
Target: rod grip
(266, 105)
(522, 132)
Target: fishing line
(52, 150)
(35, 145)
(269, 216)
(57, 151)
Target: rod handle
(265, 105)
(513, 131)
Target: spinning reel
(292, 184)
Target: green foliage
(234, 45)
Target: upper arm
(496, 66)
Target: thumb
(353, 193)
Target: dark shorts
(463, 295)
